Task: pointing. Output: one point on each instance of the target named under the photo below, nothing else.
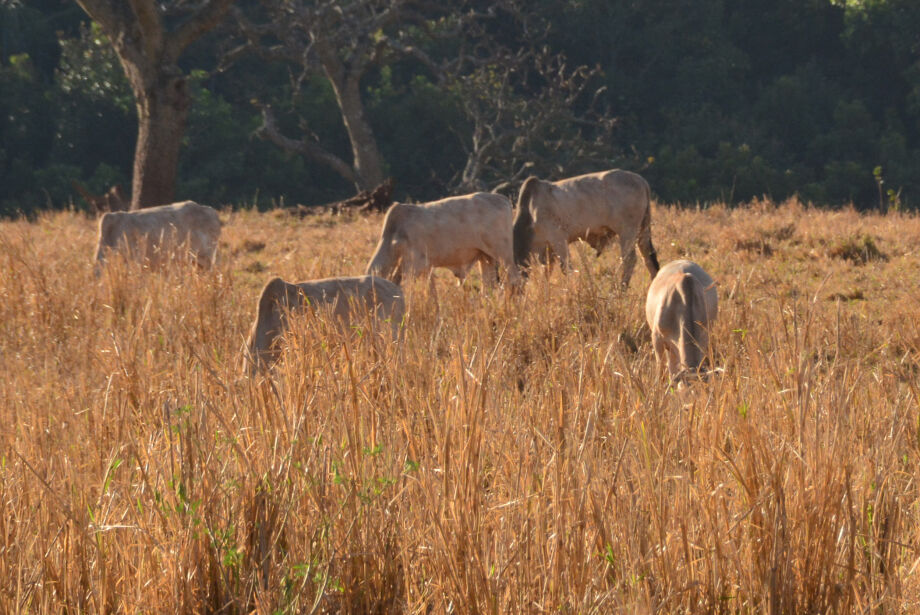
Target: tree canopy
(731, 101)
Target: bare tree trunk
(367, 161)
(149, 52)
(162, 111)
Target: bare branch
(203, 21)
(288, 51)
(112, 16)
(269, 130)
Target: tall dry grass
(519, 454)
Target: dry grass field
(517, 454)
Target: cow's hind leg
(659, 345)
(627, 259)
(646, 248)
(666, 350)
(674, 367)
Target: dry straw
(509, 455)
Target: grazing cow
(345, 296)
(681, 305)
(155, 233)
(455, 233)
(594, 208)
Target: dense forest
(714, 100)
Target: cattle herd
(456, 233)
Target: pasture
(509, 455)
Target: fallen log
(367, 201)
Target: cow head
(108, 237)
(390, 253)
(523, 231)
(261, 348)
(387, 260)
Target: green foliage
(418, 138)
(732, 101)
(25, 134)
(90, 68)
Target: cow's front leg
(488, 271)
(560, 247)
(432, 288)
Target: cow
(346, 297)
(593, 208)
(681, 305)
(454, 233)
(155, 234)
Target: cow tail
(523, 222)
(689, 346)
(645, 237)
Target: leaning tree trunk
(367, 160)
(346, 84)
(162, 111)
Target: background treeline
(712, 100)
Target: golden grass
(511, 455)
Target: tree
(149, 46)
(342, 41)
(515, 95)
(529, 114)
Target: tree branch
(150, 24)
(204, 20)
(269, 130)
(110, 15)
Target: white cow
(455, 233)
(347, 297)
(593, 208)
(157, 233)
(681, 305)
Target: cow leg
(488, 272)
(673, 359)
(459, 273)
(513, 273)
(599, 241)
(561, 248)
(432, 287)
(627, 260)
(658, 344)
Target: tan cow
(156, 233)
(681, 305)
(593, 208)
(346, 297)
(454, 233)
